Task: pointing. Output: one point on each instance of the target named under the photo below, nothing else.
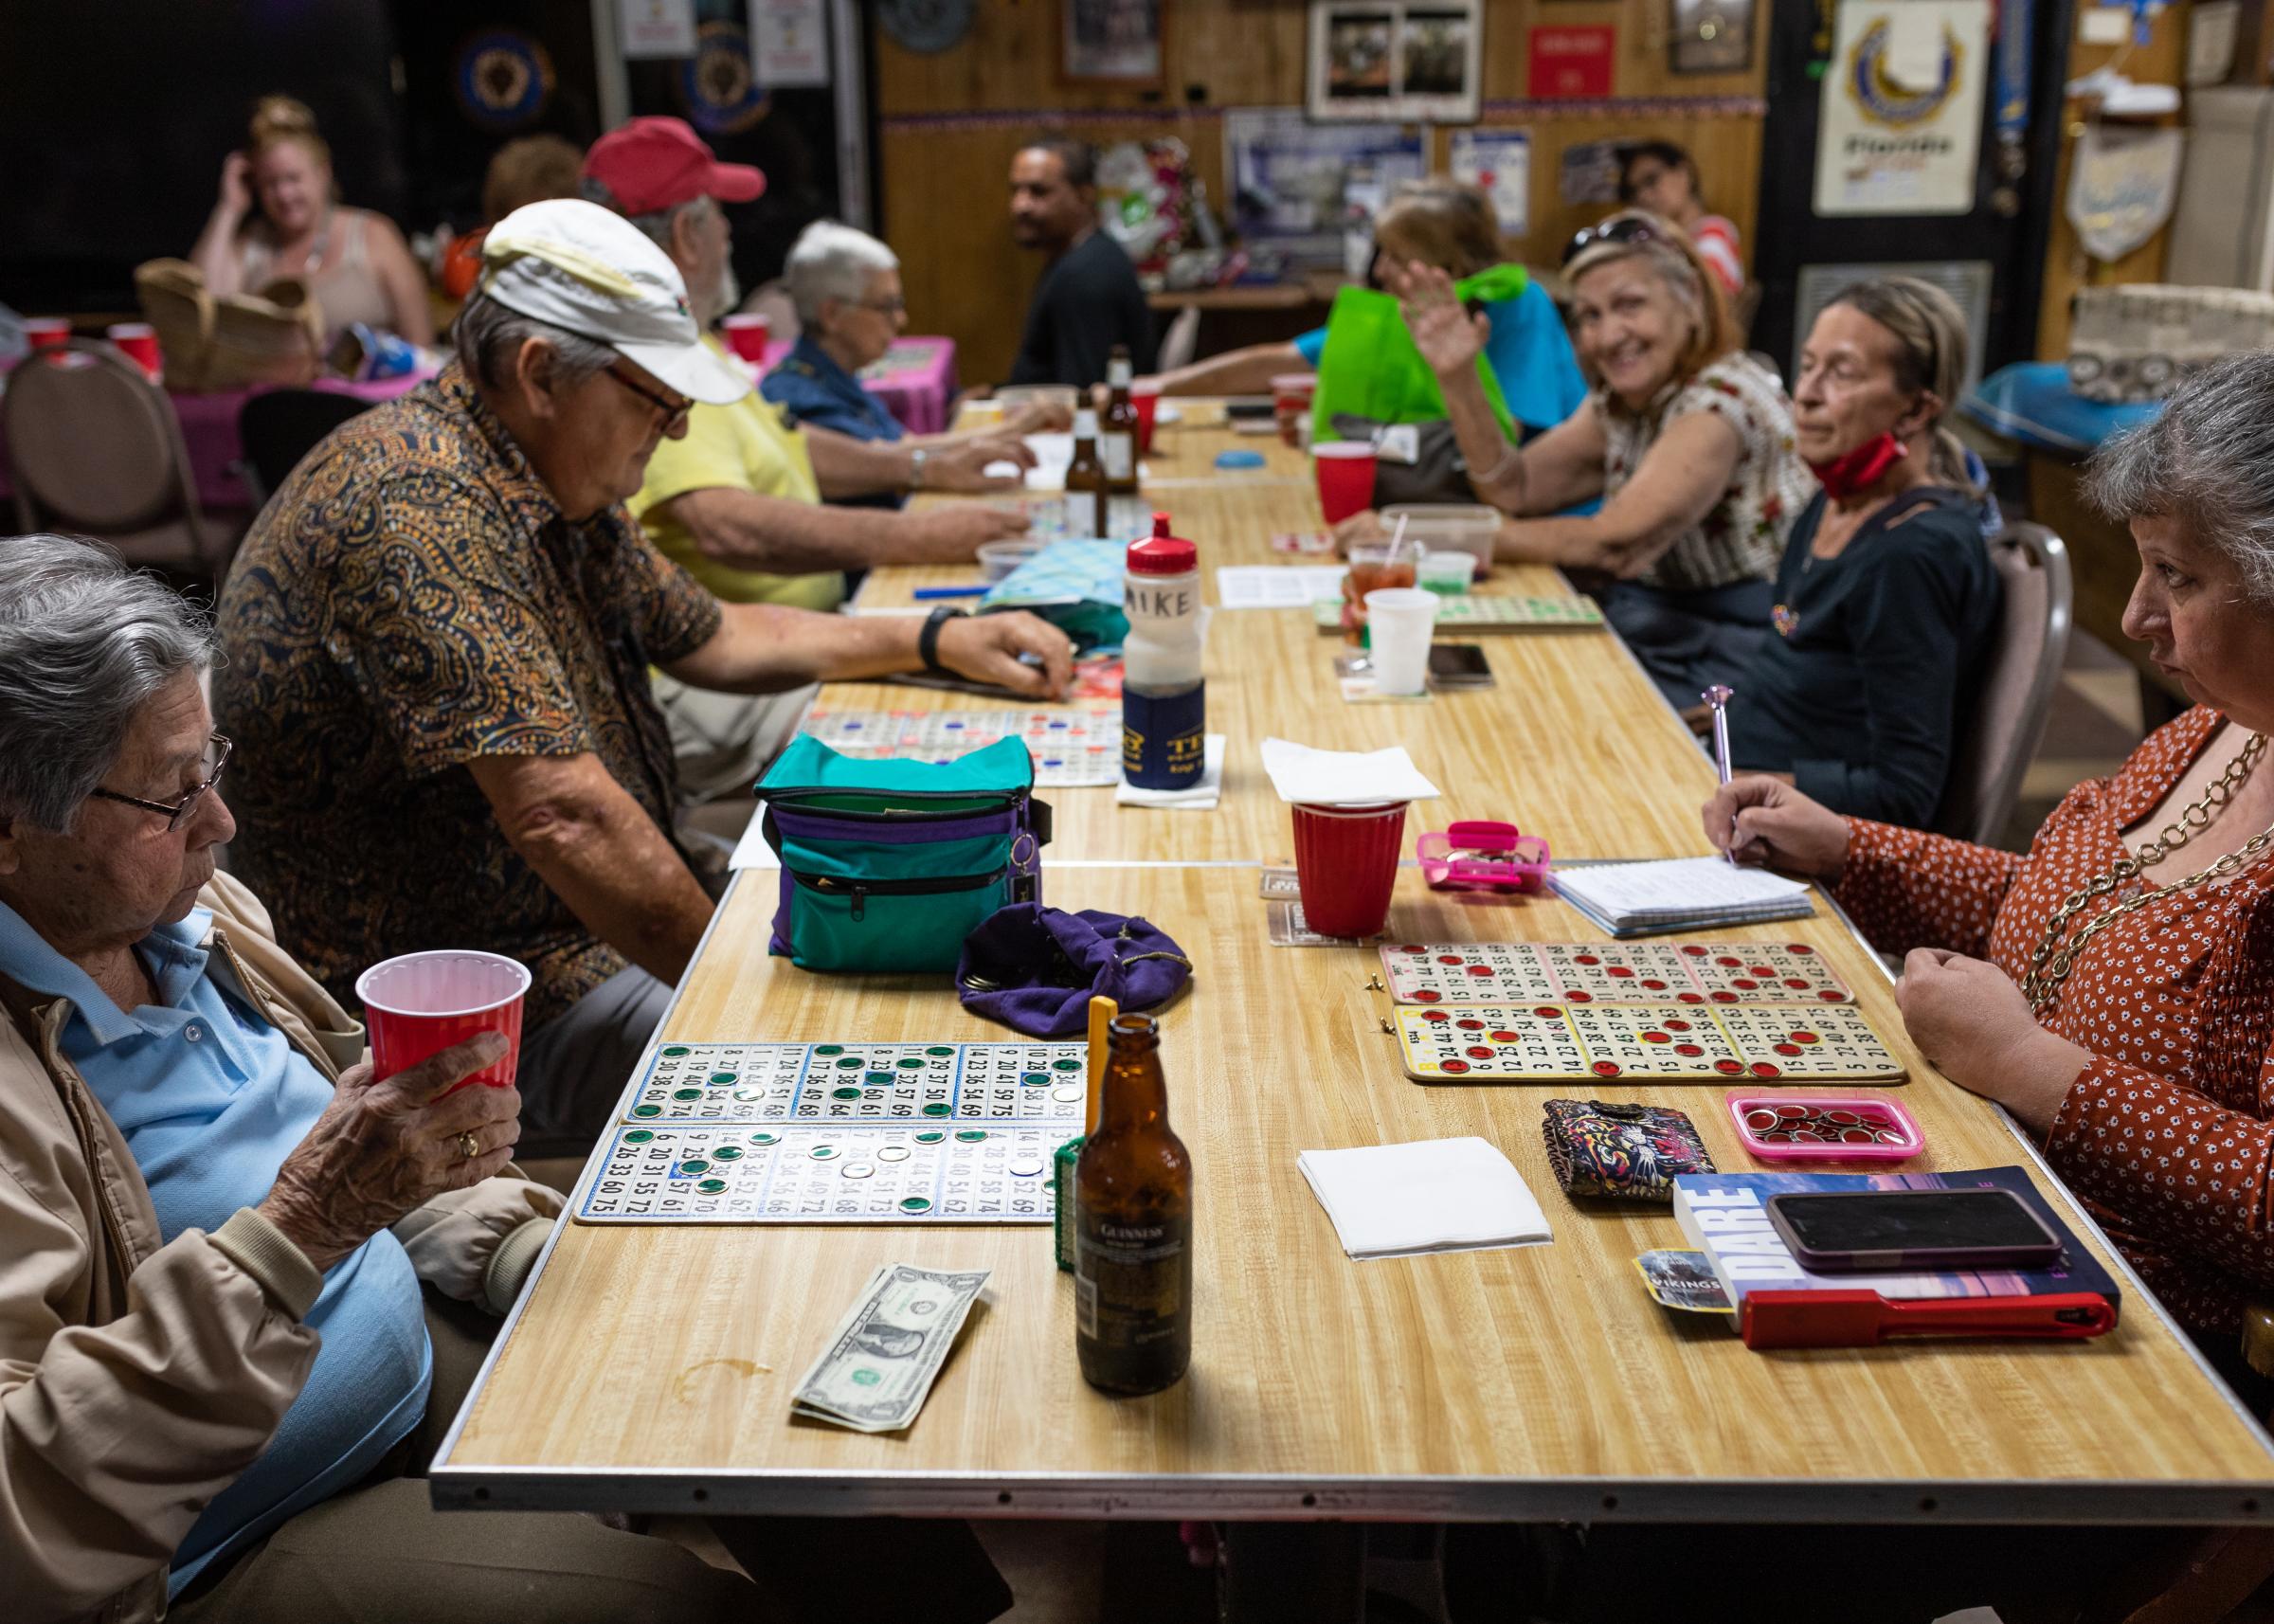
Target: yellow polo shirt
(746, 446)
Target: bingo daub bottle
(1164, 700)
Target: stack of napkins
(1434, 1195)
(1344, 778)
(1680, 893)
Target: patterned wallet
(1629, 1152)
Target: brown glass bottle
(1132, 1227)
(1086, 500)
(1117, 429)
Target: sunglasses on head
(1625, 229)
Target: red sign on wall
(1571, 64)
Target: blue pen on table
(926, 594)
(1719, 696)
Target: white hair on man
(833, 261)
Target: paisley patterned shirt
(1742, 537)
(2166, 1133)
(413, 599)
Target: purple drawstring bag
(1036, 968)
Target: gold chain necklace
(2049, 968)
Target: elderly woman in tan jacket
(216, 1228)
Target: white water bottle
(1163, 700)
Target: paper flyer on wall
(1900, 125)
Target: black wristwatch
(927, 640)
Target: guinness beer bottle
(1132, 1226)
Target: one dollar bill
(883, 1356)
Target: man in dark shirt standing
(1088, 299)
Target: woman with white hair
(2114, 988)
(845, 286)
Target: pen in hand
(1718, 697)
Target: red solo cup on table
(47, 332)
(1346, 471)
(1145, 397)
(1346, 865)
(748, 336)
(422, 1003)
(138, 342)
(1291, 394)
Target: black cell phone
(1884, 1231)
(1458, 665)
(1250, 407)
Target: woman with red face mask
(1885, 599)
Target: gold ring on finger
(468, 1145)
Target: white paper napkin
(1202, 797)
(1344, 778)
(1433, 1195)
(751, 851)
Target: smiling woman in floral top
(1686, 439)
(2114, 989)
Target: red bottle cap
(1161, 553)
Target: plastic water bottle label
(1163, 737)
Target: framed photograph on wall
(1112, 42)
(1410, 61)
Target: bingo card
(1073, 748)
(1488, 612)
(1578, 1043)
(842, 1133)
(1611, 972)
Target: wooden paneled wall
(949, 123)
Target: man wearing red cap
(738, 501)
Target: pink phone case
(1893, 1133)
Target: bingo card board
(1580, 1044)
(1611, 972)
(1488, 612)
(842, 1133)
(1050, 518)
(1073, 748)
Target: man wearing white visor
(438, 638)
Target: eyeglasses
(1623, 229)
(674, 412)
(176, 813)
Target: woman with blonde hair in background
(278, 217)
(1687, 439)
(1444, 223)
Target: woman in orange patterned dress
(2114, 988)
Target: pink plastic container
(421, 1004)
(1346, 865)
(1880, 1130)
(1346, 471)
(748, 336)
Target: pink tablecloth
(915, 380)
(210, 436)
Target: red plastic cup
(138, 341)
(47, 332)
(1146, 398)
(1346, 865)
(748, 336)
(421, 1004)
(1346, 469)
(1291, 394)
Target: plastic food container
(1462, 526)
(1446, 573)
(1825, 1127)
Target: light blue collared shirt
(212, 1098)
